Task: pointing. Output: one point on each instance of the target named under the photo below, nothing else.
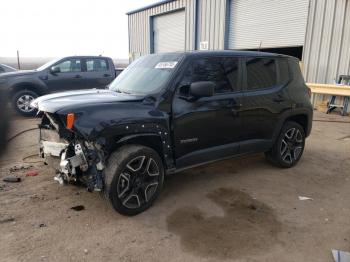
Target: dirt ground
(241, 209)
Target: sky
(54, 28)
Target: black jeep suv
(169, 112)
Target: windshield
(46, 65)
(147, 75)
(8, 67)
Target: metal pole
(18, 63)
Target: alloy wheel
(138, 182)
(291, 145)
(23, 103)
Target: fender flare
(32, 85)
(292, 113)
(165, 142)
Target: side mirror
(202, 89)
(55, 70)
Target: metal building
(327, 43)
(315, 31)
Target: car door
(98, 73)
(207, 128)
(69, 76)
(264, 99)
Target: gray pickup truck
(69, 73)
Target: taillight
(309, 92)
(70, 120)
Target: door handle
(278, 99)
(106, 75)
(78, 76)
(236, 106)
(235, 109)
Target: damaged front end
(73, 158)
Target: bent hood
(81, 98)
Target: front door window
(69, 66)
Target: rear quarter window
(295, 72)
(284, 75)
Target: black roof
(230, 53)
(149, 6)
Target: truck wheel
(134, 178)
(288, 147)
(21, 102)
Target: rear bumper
(309, 123)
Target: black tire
(289, 146)
(134, 178)
(21, 102)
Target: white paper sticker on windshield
(166, 65)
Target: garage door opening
(169, 32)
(266, 24)
(291, 51)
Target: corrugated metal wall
(327, 45)
(211, 23)
(139, 26)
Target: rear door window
(261, 73)
(96, 65)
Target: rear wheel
(289, 146)
(134, 178)
(21, 102)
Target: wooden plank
(327, 89)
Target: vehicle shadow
(245, 225)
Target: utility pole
(18, 63)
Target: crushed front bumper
(72, 160)
(63, 156)
(51, 147)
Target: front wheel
(21, 102)
(134, 178)
(289, 147)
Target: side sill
(245, 148)
(177, 170)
